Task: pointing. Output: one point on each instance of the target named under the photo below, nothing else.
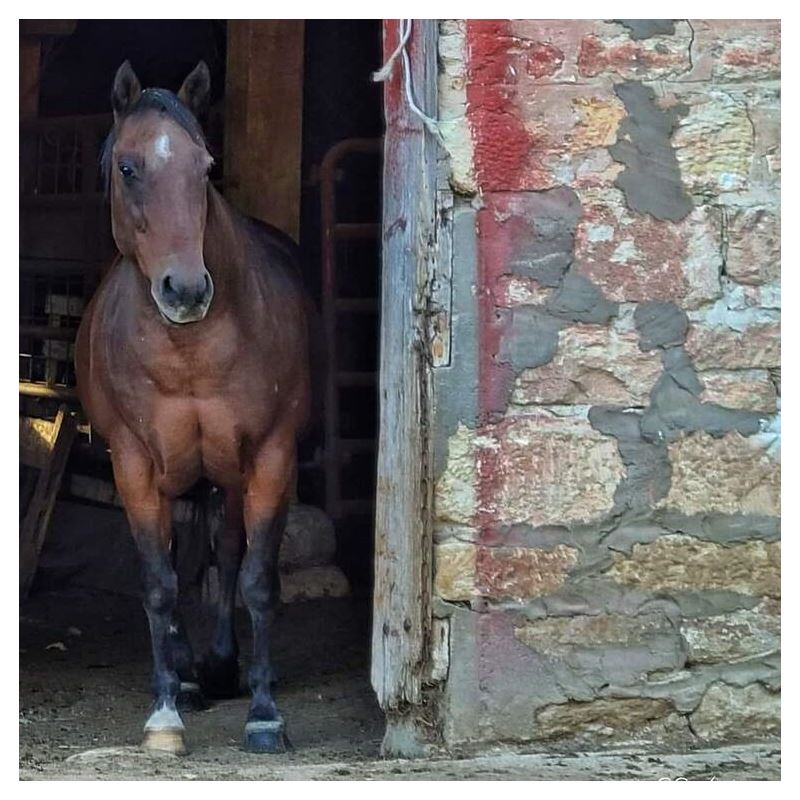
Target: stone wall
(607, 429)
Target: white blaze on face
(162, 152)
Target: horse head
(156, 165)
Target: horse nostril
(207, 278)
(166, 286)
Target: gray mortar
(456, 386)
(645, 28)
(546, 253)
(674, 411)
(579, 300)
(722, 528)
(712, 527)
(711, 603)
(651, 179)
(677, 363)
(685, 688)
(531, 339)
(597, 594)
(648, 469)
(660, 324)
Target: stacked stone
(608, 494)
(307, 557)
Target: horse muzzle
(183, 299)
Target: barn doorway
(83, 634)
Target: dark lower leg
(160, 598)
(220, 672)
(261, 592)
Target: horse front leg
(219, 672)
(149, 515)
(265, 509)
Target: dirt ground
(84, 678)
(84, 673)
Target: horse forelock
(162, 100)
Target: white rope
(384, 73)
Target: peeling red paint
(501, 142)
(499, 234)
(596, 57)
(652, 269)
(544, 60)
(740, 57)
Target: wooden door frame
(401, 631)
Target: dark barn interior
(315, 156)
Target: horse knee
(254, 584)
(160, 590)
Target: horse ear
(126, 91)
(196, 89)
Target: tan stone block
(454, 495)
(730, 474)
(754, 246)
(523, 572)
(751, 390)
(739, 49)
(635, 257)
(594, 364)
(541, 469)
(454, 571)
(557, 637)
(714, 143)
(678, 562)
(756, 345)
(452, 98)
(571, 128)
(732, 712)
(741, 634)
(605, 716)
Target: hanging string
(384, 73)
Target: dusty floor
(84, 671)
(94, 694)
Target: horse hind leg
(219, 670)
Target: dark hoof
(219, 678)
(191, 698)
(265, 737)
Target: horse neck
(223, 247)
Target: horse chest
(189, 438)
(201, 411)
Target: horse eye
(126, 170)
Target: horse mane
(161, 100)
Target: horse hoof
(219, 679)
(169, 740)
(190, 697)
(265, 737)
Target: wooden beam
(29, 64)
(264, 120)
(401, 629)
(52, 458)
(47, 27)
(43, 390)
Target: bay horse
(192, 362)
